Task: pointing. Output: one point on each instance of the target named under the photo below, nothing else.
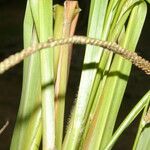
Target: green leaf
(58, 29)
(148, 1)
(102, 123)
(141, 137)
(47, 74)
(144, 139)
(28, 122)
(92, 56)
(129, 119)
(122, 68)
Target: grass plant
(103, 80)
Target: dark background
(11, 22)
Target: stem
(70, 19)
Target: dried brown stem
(4, 127)
(147, 116)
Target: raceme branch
(131, 56)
